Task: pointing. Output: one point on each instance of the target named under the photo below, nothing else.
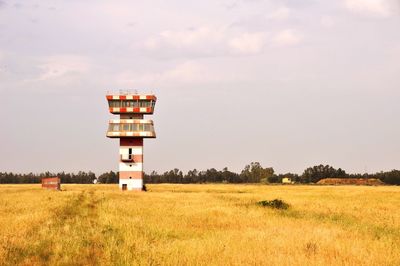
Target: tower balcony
(131, 104)
(136, 128)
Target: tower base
(131, 184)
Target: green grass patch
(274, 204)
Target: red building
(51, 183)
(131, 128)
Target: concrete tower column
(131, 163)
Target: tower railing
(126, 92)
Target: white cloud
(287, 37)
(185, 38)
(206, 41)
(186, 72)
(281, 13)
(248, 43)
(380, 8)
(2, 67)
(189, 72)
(1, 58)
(57, 66)
(327, 21)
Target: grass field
(199, 225)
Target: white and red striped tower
(131, 129)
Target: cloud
(206, 41)
(287, 37)
(202, 41)
(188, 72)
(248, 43)
(281, 13)
(185, 38)
(213, 42)
(298, 3)
(2, 67)
(327, 21)
(185, 72)
(237, 3)
(378, 8)
(54, 67)
(230, 5)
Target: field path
(71, 233)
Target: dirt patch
(351, 181)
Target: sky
(287, 83)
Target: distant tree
(192, 176)
(229, 177)
(318, 172)
(153, 177)
(392, 177)
(275, 179)
(254, 172)
(81, 177)
(172, 176)
(108, 178)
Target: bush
(275, 204)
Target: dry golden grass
(199, 225)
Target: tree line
(252, 173)
(31, 178)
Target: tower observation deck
(131, 128)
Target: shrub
(275, 204)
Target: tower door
(124, 186)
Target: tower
(131, 129)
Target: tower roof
(131, 97)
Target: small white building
(287, 180)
